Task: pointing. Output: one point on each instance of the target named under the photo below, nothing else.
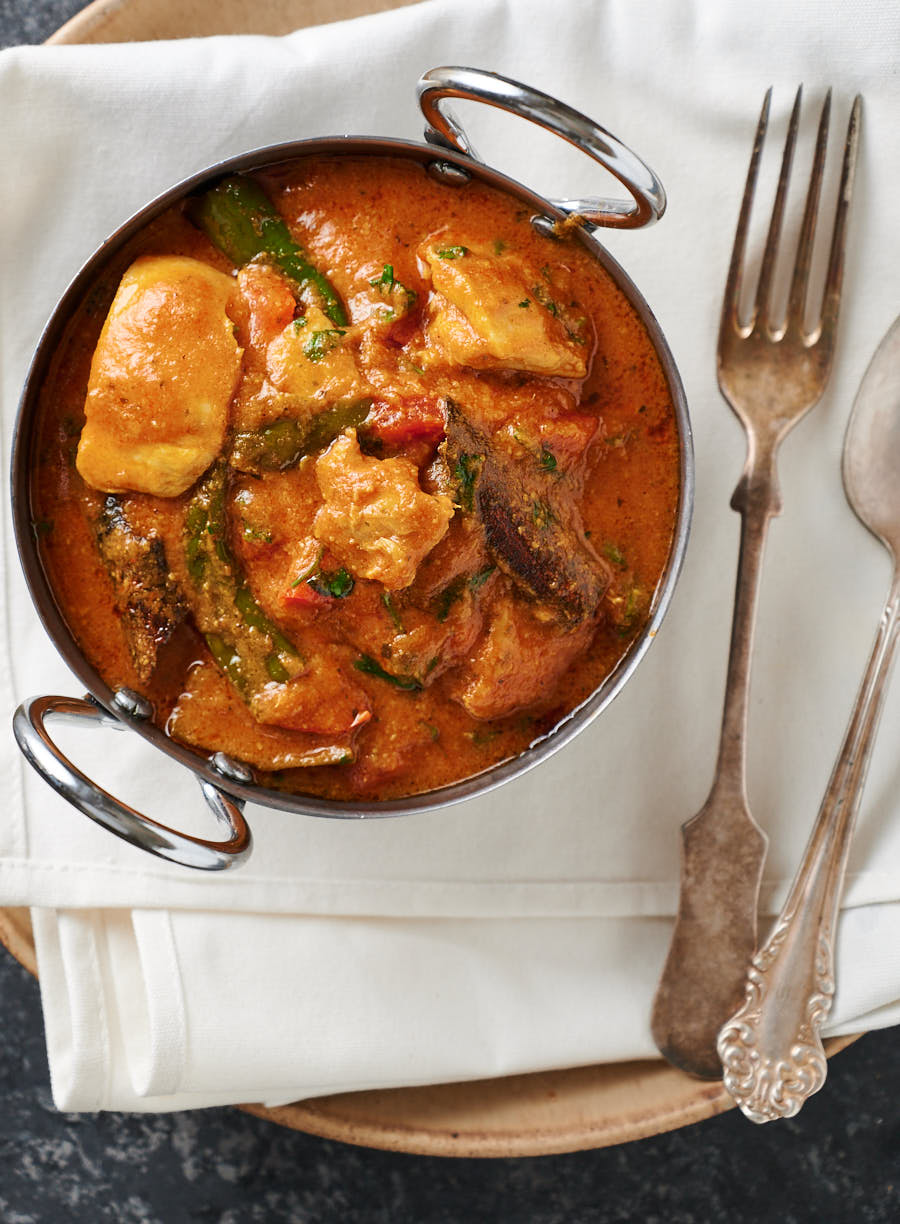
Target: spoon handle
(771, 1050)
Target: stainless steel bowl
(227, 784)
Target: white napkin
(525, 930)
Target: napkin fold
(524, 930)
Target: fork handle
(723, 849)
(757, 499)
(771, 1049)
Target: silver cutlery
(771, 1049)
(771, 372)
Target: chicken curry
(355, 476)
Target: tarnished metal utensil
(771, 1050)
(771, 373)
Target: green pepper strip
(365, 663)
(239, 218)
(248, 647)
(282, 444)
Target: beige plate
(522, 1115)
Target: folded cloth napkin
(525, 930)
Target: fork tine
(764, 288)
(831, 299)
(800, 278)
(731, 301)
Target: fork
(771, 372)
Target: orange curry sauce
(483, 663)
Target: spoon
(771, 1050)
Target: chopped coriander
(547, 459)
(334, 584)
(300, 323)
(365, 663)
(465, 473)
(448, 597)
(322, 342)
(392, 612)
(452, 252)
(432, 730)
(479, 579)
(389, 287)
(386, 278)
(525, 302)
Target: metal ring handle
(648, 199)
(54, 767)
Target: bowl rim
(50, 612)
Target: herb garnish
(479, 579)
(333, 584)
(449, 596)
(388, 286)
(365, 663)
(386, 278)
(452, 252)
(322, 342)
(392, 612)
(465, 473)
(547, 459)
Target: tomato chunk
(409, 420)
(305, 596)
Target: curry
(355, 476)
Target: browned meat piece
(531, 525)
(150, 603)
(518, 662)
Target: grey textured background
(838, 1161)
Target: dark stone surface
(838, 1161)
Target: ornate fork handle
(771, 1049)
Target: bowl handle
(648, 199)
(54, 767)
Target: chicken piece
(162, 377)
(312, 359)
(518, 662)
(495, 313)
(376, 519)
